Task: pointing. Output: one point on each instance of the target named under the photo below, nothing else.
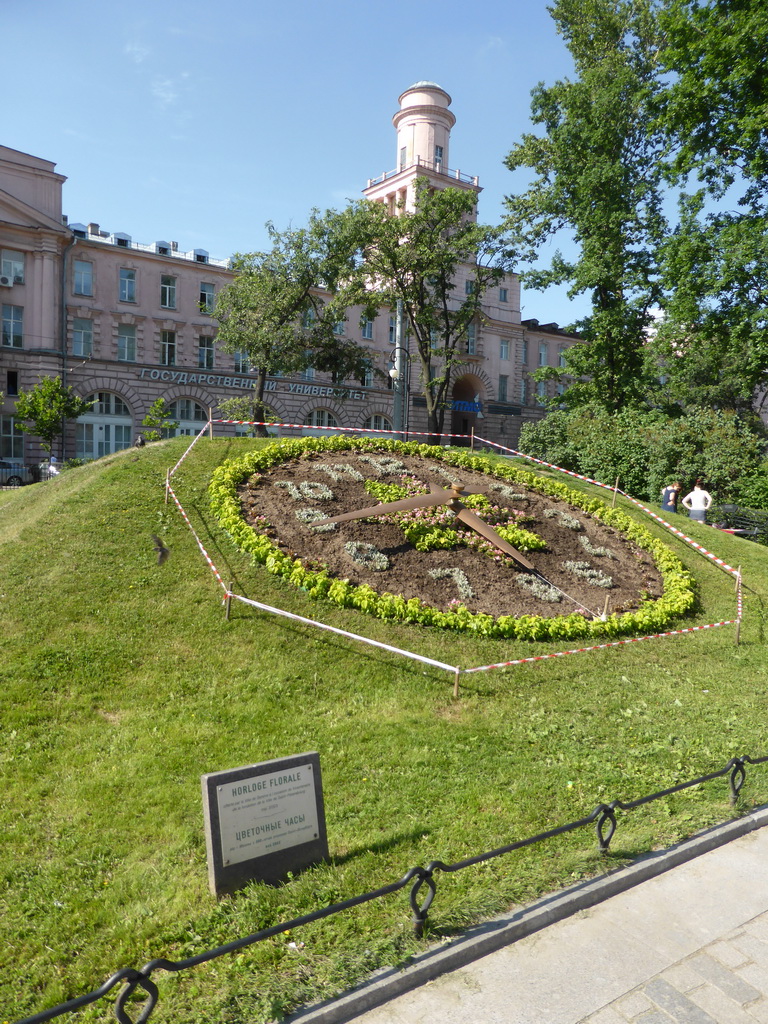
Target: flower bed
(652, 614)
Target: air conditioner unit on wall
(6, 281)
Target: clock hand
(404, 504)
(474, 522)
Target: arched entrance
(105, 428)
(466, 407)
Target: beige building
(125, 322)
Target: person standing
(670, 495)
(697, 502)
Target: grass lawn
(122, 683)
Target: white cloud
(165, 92)
(492, 45)
(136, 52)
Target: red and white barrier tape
(343, 430)
(343, 632)
(207, 557)
(597, 483)
(598, 647)
(186, 453)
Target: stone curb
(502, 931)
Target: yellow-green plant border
(652, 616)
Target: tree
(712, 108)
(44, 409)
(284, 308)
(419, 258)
(158, 421)
(647, 449)
(713, 342)
(248, 408)
(599, 177)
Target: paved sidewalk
(687, 943)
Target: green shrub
(647, 449)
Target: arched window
(320, 418)
(377, 422)
(106, 427)
(190, 416)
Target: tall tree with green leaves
(713, 341)
(44, 409)
(598, 178)
(423, 258)
(713, 105)
(284, 309)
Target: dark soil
(494, 588)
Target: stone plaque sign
(263, 820)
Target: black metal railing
(603, 817)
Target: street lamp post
(401, 377)
(400, 374)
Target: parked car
(14, 474)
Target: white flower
(367, 555)
(459, 578)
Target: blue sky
(198, 122)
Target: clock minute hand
(475, 523)
(418, 501)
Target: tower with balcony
(423, 126)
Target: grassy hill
(122, 683)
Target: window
(167, 291)
(561, 355)
(241, 362)
(308, 318)
(377, 422)
(189, 415)
(543, 354)
(83, 278)
(13, 326)
(127, 285)
(403, 157)
(504, 348)
(126, 343)
(308, 373)
(320, 418)
(541, 389)
(471, 339)
(168, 348)
(11, 438)
(82, 337)
(339, 327)
(434, 339)
(503, 295)
(105, 403)
(206, 297)
(367, 378)
(12, 265)
(106, 427)
(392, 330)
(503, 380)
(12, 382)
(523, 391)
(438, 157)
(469, 287)
(205, 352)
(367, 330)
